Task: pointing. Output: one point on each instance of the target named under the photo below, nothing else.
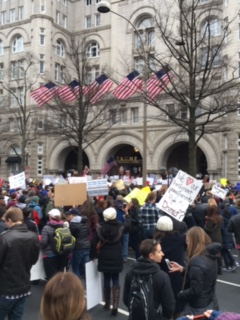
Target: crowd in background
(198, 248)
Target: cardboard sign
(70, 194)
(179, 195)
(219, 192)
(17, 181)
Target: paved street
(228, 293)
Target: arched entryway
(71, 159)
(178, 157)
(128, 158)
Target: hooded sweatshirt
(162, 291)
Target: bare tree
(204, 81)
(22, 74)
(79, 122)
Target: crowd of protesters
(198, 248)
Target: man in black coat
(152, 254)
(19, 251)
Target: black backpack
(141, 303)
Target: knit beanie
(109, 214)
(164, 224)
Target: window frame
(93, 50)
(17, 44)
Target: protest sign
(180, 194)
(223, 182)
(70, 194)
(140, 195)
(219, 192)
(77, 179)
(93, 284)
(17, 181)
(97, 187)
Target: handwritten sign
(17, 181)
(180, 194)
(219, 192)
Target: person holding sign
(200, 274)
(148, 216)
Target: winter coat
(162, 291)
(234, 227)
(47, 237)
(19, 251)
(79, 229)
(213, 230)
(201, 277)
(173, 246)
(227, 238)
(109, 234)
(199, 213)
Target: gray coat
(47, 237)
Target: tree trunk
(192, 150)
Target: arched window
(60, 50)
(145, 34)
(211, 27)
(93, 50)
(17, 44)
(1, 48)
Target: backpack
(63, 241)
(141, 303)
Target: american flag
(108, 165)
(91, 90)
(128, 86)
(69, 92)
(44, 94)
(157, 82)
(103, 85)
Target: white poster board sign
(72, 180)
(17, 181)
(179, 195)
(219, 192)
(93, 284)
(37, 271)
(98, 187)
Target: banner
(219, 192)
(179, 195)
(17, 181)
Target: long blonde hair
(197, 241)
(63, 298)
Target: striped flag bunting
(128, 86)
(110, 163)
(103, 85)
(157, 82)
(69, 92)
(44, 94)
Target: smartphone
(124, 206)
(168, 264)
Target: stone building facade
(44, 28)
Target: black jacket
(162, 291)
(110, 258)
(201, 278)
(80, 231)
(234, 227)
(19, 251)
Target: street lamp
(104, 7)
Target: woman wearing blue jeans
(107, 246)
